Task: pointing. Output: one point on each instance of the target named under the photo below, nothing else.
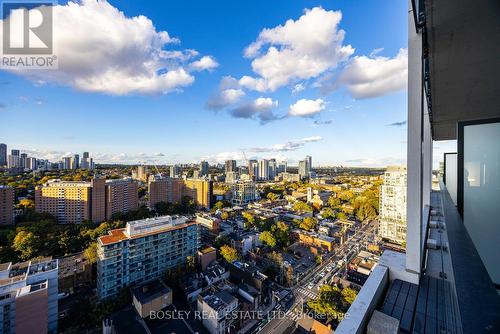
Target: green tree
(281, 232)
(224, 215)
(27, 243)
(328, 213)
(272, 196)
(162, 208)
(229, 253)
(90, 253)
(308, 223)
(267, 238)
(302, 207)
(249, 219)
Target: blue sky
(349, 103)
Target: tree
(229, 253)
(267, 238)
(328, 213)
(301, 206)
(224, 215)
(272, 197)
(162, 208)
(90, 253)
(190, 264)
(332, 301)
(26, 204)
(281, 232)
(334, 202)
(308, 223)
(27, 244)
(249, 219)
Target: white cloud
(372, 76)
(99, 49)
(306, 108)
(298, 88)
(297, 50)
(291, 145)
(204, 63)
(260, 108)
(224, 98)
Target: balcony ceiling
(464, 44)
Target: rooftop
(149, 291)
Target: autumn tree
(229, 253)
(267, 238)
(308, 223)
(27, 243)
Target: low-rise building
(217, 311)
(206, 256)
(150, 297)
(75, 271)
(314, 239)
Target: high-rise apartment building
(273, 168)
(75, 162)
(3, 154)
(203, 171)
(175, 171)
(263, 169)
(253, 169)
(143, 250)
(164, 189)
(303, 174)
(201, 191)
(243, 193)
(121, 196)
(67, 163)
(31, 163)
(28, 296)
(14, 159)
(230, 166)
(393, 205)
(68, 201)
(6, 205)
(73, 202)
(23, 160)
(85, 164)
(98, 199)
(140, 174)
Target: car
(310, 285)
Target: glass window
(479, 198)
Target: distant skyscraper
(281, 167)
(253, 169)
(31, 163)
(3, 155)
(393, 205)
(230, 166)
(272, 169)
(85, 161)
(23, 160)
(309, 163)
(303, 169)
(75, 162)
(14, 152)
(203, 168)
(263, 169)
(67, 163)
(175, 171)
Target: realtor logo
(27, 38)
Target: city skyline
(226, 83)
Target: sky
(182, 81)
